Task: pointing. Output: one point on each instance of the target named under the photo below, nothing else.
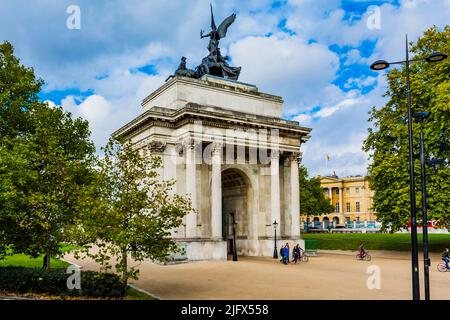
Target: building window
(337, 207)
(337, 190)
(356, 190)
(358, 209)
(347, 206)
(347, 191)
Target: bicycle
(442, 267)
(365, 257)
(304, 257)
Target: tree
(387, 141)
(134, 214)
(45, 166)
(18, 94)
(312, 198)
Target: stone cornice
(223, 85)
(211, 116)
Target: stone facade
(352, 200)
(226, 145)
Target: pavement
(331, 275)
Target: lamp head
(379, 65)
(421, 116)
(436, 57)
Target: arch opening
(236, 199)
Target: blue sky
(314, 53)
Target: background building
(352, 200)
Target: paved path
(332, 275)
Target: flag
(328, 157)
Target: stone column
(275, 187)
(363, 207)
(191, 186)
(216, 191)
(295, 196)
(341, 210)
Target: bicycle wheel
(305, 258)
(368, 257)
(441, 267)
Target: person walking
(287, 246)
(286, 253)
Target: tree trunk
(125, 269)
(46, 263)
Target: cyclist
(446, 257)
(362, 251)
(297, 253)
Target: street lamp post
(275, 251)
(381, 65)
(421, 117)
(234, 238)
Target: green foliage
(26, 280)
(387, 141)
(312, 197)
(45, 165)
(18, 94)
(133, 213)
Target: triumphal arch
(228, 147)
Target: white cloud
(286, 66)
(303, 119)
(118, 36)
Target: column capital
(296, 156)
(275, 154)
(185, 144)
(216, 147)
(156, 146)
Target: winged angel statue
(213, 64)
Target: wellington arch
(227, 146)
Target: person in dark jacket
(296, 253)
(362, 251)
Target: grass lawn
(134, 294)
(21, 260)
(375, 241)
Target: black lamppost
(275, 251)
(234, 238)
(381, 65)
(421, 117)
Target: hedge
(54, 281)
